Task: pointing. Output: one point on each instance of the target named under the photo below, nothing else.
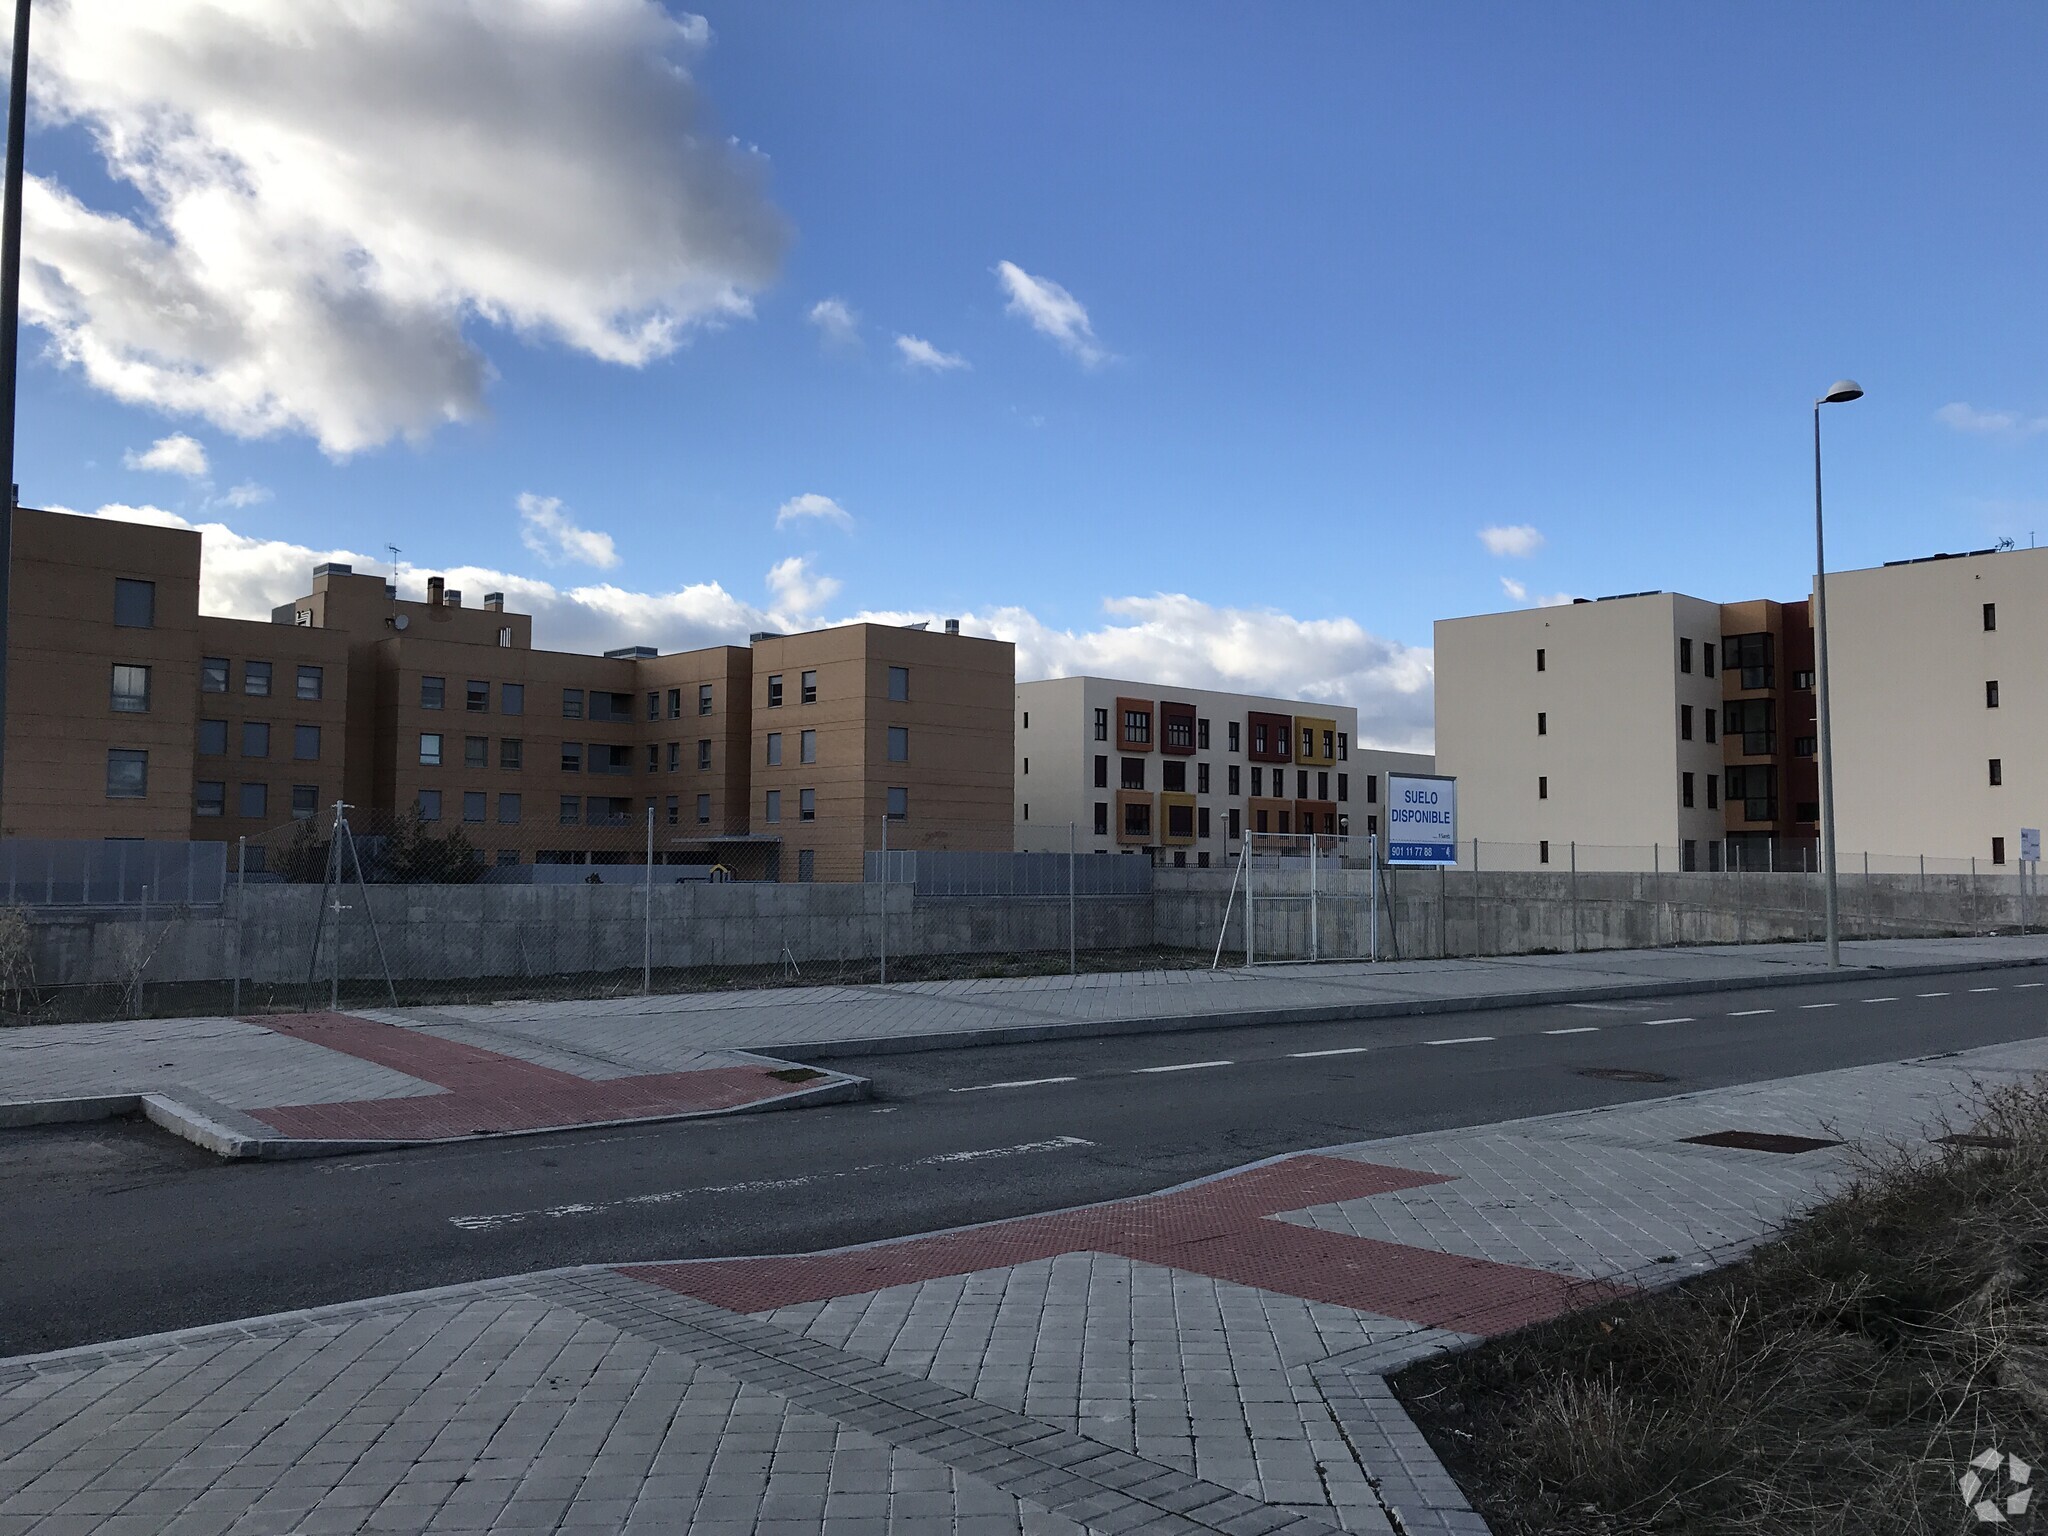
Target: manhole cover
(1971, 1139)
(1760, 1141)
(1626, 1075)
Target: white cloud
(919, 353)
(811, 507)
(174, 455)
(247, 494)
(837, 324)
(1167, 638)
(1516, 541)
(798, 592)
(1052, 312)
(1968, 418)
(552, 534)
(1520, 593)
(328, 197)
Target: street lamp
(1842, 391)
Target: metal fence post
(1251, 927)
(647, 913)
(885, 898)
(1073, 910)
(1314, 937)
(1373, 848)
(241, 896)
(142, 952)
(1575, 896)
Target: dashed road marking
(1930, 994)
(2022, 986)
(1187, 1066)
(1686, 1020)
(1750, 1013)
(1983, 989)
(1460, 1040)
(1816, 1005)
(1342, 1050)
(1583, 1029)
(1028, 1082)
(1880, 999)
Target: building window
(1997, 770)
(1258, 821)
(254, 801)
(1542, 786)
(775, 690)
(1300, 781)
(572, 757)
(1259, 779)
(134, 603)
(1258, 738)
(572, 703)
(1232, 728)
(1752, 720)
(1202, 823)
(512, 752)
(675, 756)
(1234, 824)
(1685, 722)
(1322, 786)
(1308, 741)
(807, 747)
(1343, 788)
(1991, 615)
(1685, 790)
(306, 743)
(1102, 725)
(1343, 746)
(1235, 778)
(508, 810)
(775, 749)
(474, 805)
(255, 738)
(1540, 658)
(1806, 810)
(771, 807)
(209, 798)
(1543, 851)
(310, 683)
(1542, 723)
(433, 692)
(1998, 850)
(1180, 732)
(703, 810)
(672, 809)
(1173, 777)
(703, 752)
(256, 679)
(1102, 818)
(430, 749)
(898, 803)
(213, 738)
(1713, 723)
(1804, 746)
(806, 865)
(1201, 778)
(127, 773)
(570, 811)
(1754, 655)
(512, 698)
(1202, 735)
(654, 757)
(1707, 657)
(703, 698)
(810, 690)
(1803, 680)
(1990, 692)
(213, 674)
(1372, 789)
(1756, 787)
(807, 805)
(131, 690)
(1133, 772)
(899, 685)
(1138, 819)
(476, 697)
(1101, 771)
(1684, 654)
(654, 703)
(476, 751)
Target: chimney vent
(495, 601)
(436, 587)
(952, 626)
(334, 568)
(454, 598)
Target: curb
(209, 1127)
(1338, 1013)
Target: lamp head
(1841, 392)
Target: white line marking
(499, 1219)
(1583, 1029)
(1188, 1066)
(1461, 1040)
(1880, 999)
(1029, 1082)
(1686, 1020)
(2022, 986)
(1750, 1013)
(1983, 989)
(1930, 994)
(1342, 1050)
(1816, 1005)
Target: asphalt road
(116, 1230)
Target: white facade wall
(1587, 750)
(1059, 745)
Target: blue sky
(1361, 281)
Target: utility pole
(10, 345)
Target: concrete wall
(542, 932)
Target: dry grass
(1836, 1381)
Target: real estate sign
(1422, 819)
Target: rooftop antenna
(394, 567)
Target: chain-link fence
(411, 910)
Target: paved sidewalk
(300, 1085)
(1208, 1359)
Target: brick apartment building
(133, 715)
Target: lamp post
(1843, 391)
(10, 320)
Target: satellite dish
(921, 624)
(399, 621)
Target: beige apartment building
(1183, 774)
(133, 715)
(1655, 719)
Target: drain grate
(1626, 1075)
(1760, 1141)
(1971, 1139)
